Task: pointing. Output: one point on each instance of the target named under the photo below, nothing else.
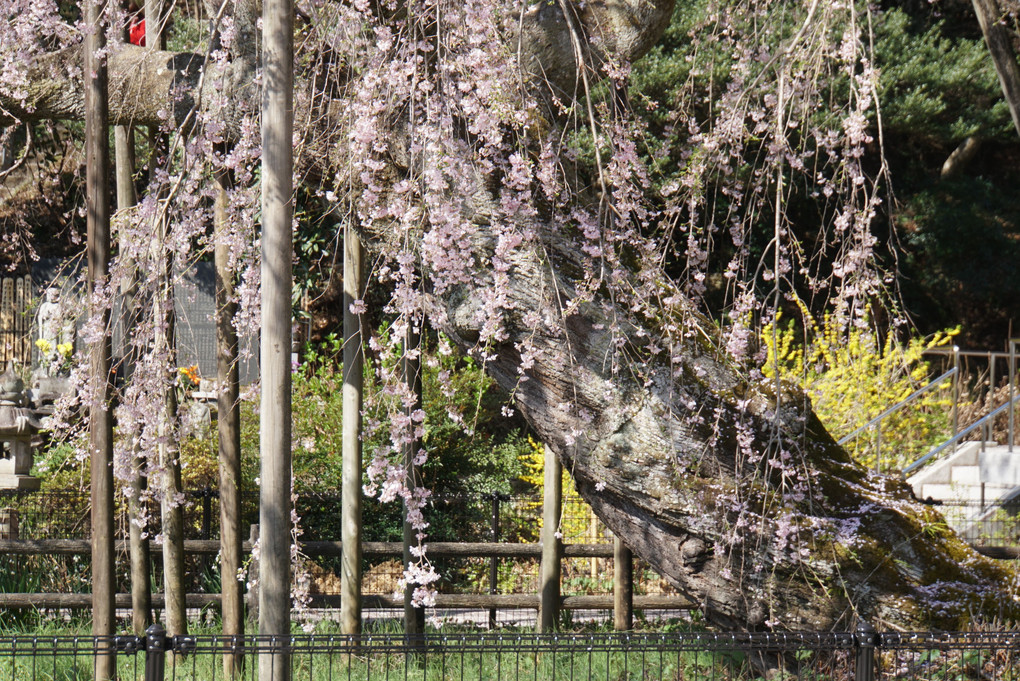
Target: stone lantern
(17, 428)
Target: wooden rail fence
(209, 547)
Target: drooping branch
(729, 487)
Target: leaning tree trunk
(742, 501)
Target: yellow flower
(44, 346)
(190, 374)
(65, 349)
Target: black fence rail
(863, 655)
(985, 524)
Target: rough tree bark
(730, 489)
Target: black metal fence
(985, 524)
(860, 656)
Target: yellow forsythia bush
(852, 376)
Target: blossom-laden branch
(508, 198)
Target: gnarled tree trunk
(741, 500)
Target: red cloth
(136, 32)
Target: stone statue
(56, 335)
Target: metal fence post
(206, 513)
(155, 652)
(1012, 387)
(878, 447)
(956, 391)
(493, 561)
(866, 639)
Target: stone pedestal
(16, 464)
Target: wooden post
(9, 524)
(228, 425)
(26, 339)
(141, 560)
(552, 545)
(6, 321)
(414, 617)
(124, 150)
(140, 557)
(493, 561)
(350, 524)
(97, 201)
(251, 598)
(277, 280)
(20, 326)
(169, 454)
(623, 587)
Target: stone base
(29, 483)
(48, 389)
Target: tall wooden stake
(228, 426)
(277, 278)
(414, 617)
(141, 560)
(350, 524)
(623, 587)
(169, 454)
(97, 198)
(124, 149)
(552, 545)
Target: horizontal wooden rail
(70, 547)
(369, 601)
(1000, 552)
(36, 547)
(488, 550)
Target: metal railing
(862, 655)
(984, 422)
(876, 422)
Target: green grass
(366, 664)
(50, 652)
